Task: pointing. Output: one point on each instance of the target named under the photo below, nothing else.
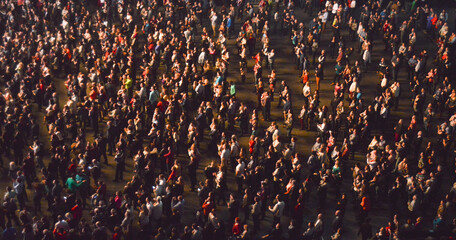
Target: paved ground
(285, 71)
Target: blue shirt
(219, 80)
(229, 23)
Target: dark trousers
(103, 153)
(21, 198)
(289, 129)
(239, 184)
(192, 175)
(267, 112)
(119, 172)
(111, 146)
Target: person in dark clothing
(101, 143)
(233, 208)
(337, 222)
(192, 167)
(120, 164)
(111, 136)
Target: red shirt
(94, 94)
(169, 157)
(251, 144)
(172, 175)
(118, 201)
(236, 229)
(365, 204)
(116, 236)
(207, 207)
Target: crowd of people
(144, 86)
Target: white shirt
(319, 225)
(418, 66)
(187, 34)
(396, 90)
(235, 149)
(214, 220)
(199, 89)
(277, 145)
(214, 19)
(277, 210)
(384, 82)
(275, 133)
(353, 86)
(372, 159)
(225, 154)
(322, 127)
(149, 207)
(306, 90)
(324, 17)
(367, 56)
(335, 8)
(240, 169)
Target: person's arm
(265, 236)
(273, 209)
(167, 154)
(79, 184)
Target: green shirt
(338, 69)
(72, 184)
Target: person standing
(277, 210)
(101, 143)
(319, 227)
(412, 62)
(256, 213)
(93, 114)
(258, 70)
(192, 167)
(214, 22)
(111, 136)
(240, 169)
(366, 58)
(337, 222)
(21, 195)
(318, 76)
(271, 59)
(289, 123)
(338, 68)
(233, 208)
(120, 160)
(229, 26)
(266, 105)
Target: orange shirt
(305, 78)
